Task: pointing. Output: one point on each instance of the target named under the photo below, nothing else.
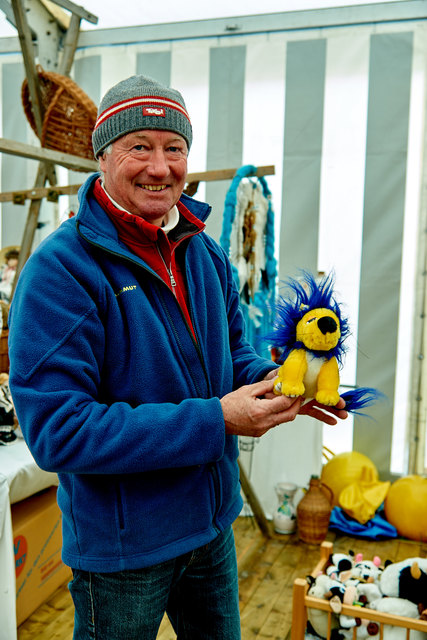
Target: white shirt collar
(171, 219)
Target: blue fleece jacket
(113, 393)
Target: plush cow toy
(408, 580)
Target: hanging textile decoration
(248, 239)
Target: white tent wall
(340, 113)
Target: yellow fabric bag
(361, 499)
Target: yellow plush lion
(309, 334)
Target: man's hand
(326, 414)
(253, 409)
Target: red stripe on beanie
(139, 101)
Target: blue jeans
(198, 591)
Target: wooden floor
(267, 570)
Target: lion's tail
(357, 399)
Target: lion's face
(319, 330)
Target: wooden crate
(301, 602)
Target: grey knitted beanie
(139, 103)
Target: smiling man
(132, 377)
(145, 173)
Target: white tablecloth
(20, 478)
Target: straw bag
(69, 114)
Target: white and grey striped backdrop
(340, 111)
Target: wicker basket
(69, 114)
(4, 351)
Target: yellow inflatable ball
(344, 469)
(405, 507)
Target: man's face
(145, 172)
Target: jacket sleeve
(57, 357)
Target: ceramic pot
(285, 515)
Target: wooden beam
(77, 10)
(226, 174)
(61, 17)
(70, 45)
(38, 193)
(66, 160)
(27, 48)
(254, 502)
(30, 226)
(25, 39)
(52, 193)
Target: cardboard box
(37, 540)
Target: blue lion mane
(307, 295)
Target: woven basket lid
(69, 114)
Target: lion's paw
(328, 398)
(292, 390)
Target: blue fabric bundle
(377, 528)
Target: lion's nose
(327, 325)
